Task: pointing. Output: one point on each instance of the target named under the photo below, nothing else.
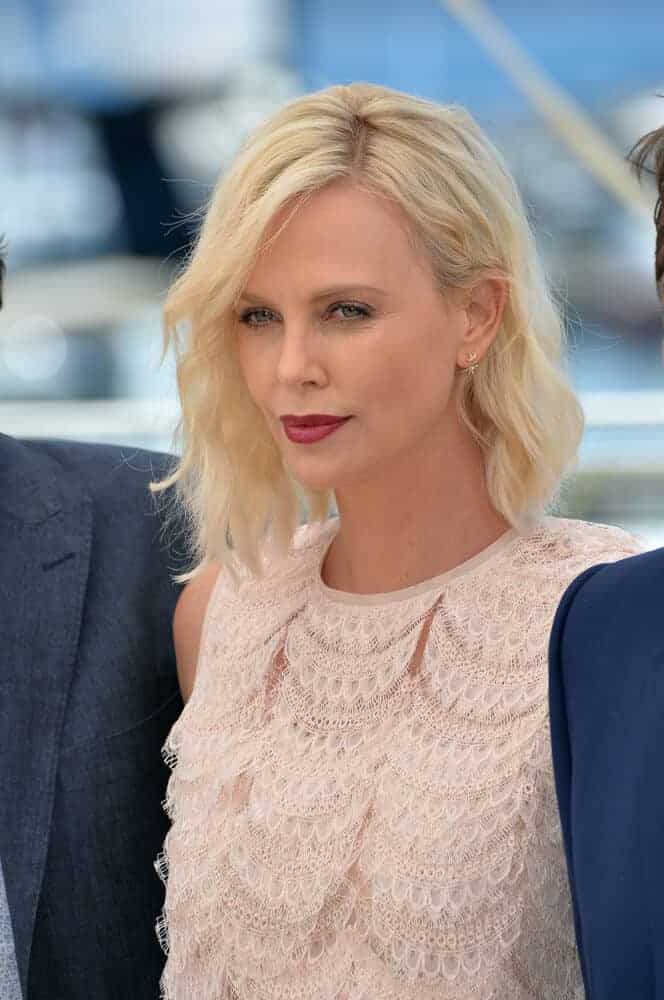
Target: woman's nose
(299, 359)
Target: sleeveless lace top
(362, 797)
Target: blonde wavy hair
(465, 212)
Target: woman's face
(345, 343)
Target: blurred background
(117, 117)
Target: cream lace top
(363, 804)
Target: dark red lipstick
(311, 427)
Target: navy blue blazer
(607, 730)
(89, 693)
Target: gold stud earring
(471, 363)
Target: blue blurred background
(117, 117)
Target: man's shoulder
(40, 476)
(627, 587)
(104, 467)
(608, 627)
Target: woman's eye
(256, 317)
(350, 310)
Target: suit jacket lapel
(45, 538)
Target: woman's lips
(311, 428)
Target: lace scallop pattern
(362, 799)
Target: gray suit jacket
(88, 695)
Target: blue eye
(351, 310)
(256, 317)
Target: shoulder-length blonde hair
(465, 212)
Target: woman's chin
(321, 479)
(317, 484)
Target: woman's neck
(409, 527)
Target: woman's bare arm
(188, 623)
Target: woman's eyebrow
(322, 293)
(351, 289)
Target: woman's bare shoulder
(188, 624)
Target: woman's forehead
(339, 235)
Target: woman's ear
(484, 306)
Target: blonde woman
(362, 796)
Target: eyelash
(362, 312)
